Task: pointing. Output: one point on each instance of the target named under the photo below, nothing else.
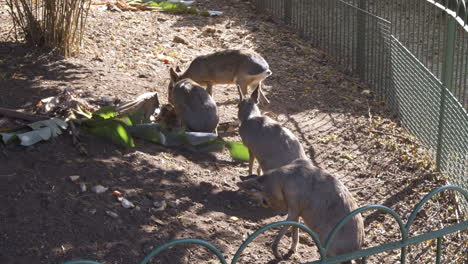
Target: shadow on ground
(25, 73)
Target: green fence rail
(405, 241)
(413, 54)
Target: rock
(99, 189)
(74, 178)
(126, 203)
(181, 201)
(209, 31)
(112, 214)
(83, 187)
(181, 40)
(214, 13)
(159, 205)
(366, 92)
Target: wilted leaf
(32, 137)
(55, 125)
(347, 156)
(327, 139)
(41, 130)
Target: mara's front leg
(292, 216)
(251, 161)
(209, 90)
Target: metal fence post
(287, 12)
(447, 79)
(361, 40)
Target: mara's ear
(177, 69)
(241, 95)
(174, 75)
(256, 95)
(253, 183)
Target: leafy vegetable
(238, 150)
(115, 130)
(105, 112)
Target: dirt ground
(45, 218)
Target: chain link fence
(414, 55)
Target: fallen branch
(20, 115)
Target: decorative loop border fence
(405, 241)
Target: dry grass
(52, 24)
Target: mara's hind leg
(262, 95)
(295, 240)
(292, 216)
(253, 85)
(243, 84)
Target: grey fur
(271, 144)
(311, 193)
(242, 67)
(195, 108)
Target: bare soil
(45, 218)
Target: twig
(8, 175)
(76, 139)
(19, 115)
(357, 188)
(391, 134)
(458, 212)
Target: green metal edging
(394, 245)
(281, 223)
(401, 244)
(185, 241)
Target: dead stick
(358, 188)
(76, 139)
(393, 135)
(19, 115)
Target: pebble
(112, 214)
(99, 189)
(366, 92)
(127, 204)
(159, 205)
(74, 178)
(181, 40)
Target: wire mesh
(420, 25)
(418, 95)
(413, 53)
